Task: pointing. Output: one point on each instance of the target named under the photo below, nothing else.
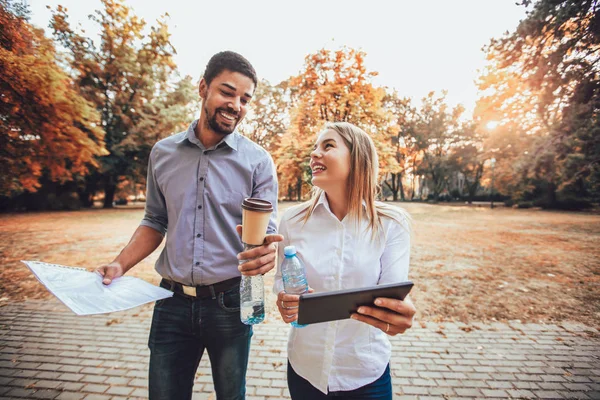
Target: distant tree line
(79, 123)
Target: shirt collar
(230, 140)
(322, 201)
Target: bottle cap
(289, 250)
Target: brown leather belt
(202, 291)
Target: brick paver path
(46, 352)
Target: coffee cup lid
(252, 204)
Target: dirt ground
(468, 263)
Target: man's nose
(235, 104)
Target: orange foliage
(46, 126)
(127, 75)
(333, 86)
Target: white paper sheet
(83, 292)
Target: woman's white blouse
(346, 354)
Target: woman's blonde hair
(362, 181)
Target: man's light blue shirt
(195, 195)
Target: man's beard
(214, 125)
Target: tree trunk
(87, 192)
(551, 193)
(299, 188)
(393, 188)
(400, 187)
(414, 178)
(435, 185)
(86, 198)
(109, 192)
(472, 190)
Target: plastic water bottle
(252, 297)
(294, 275)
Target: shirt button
(197, 262)
(199, 207)
(198, 235)
(201, 179)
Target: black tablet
(331, 306)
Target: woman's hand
(391, 316)
(288, 305)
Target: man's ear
(202, 88)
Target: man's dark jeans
(182, 328)
(301, 389)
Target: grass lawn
(468, 263)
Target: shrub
(525, 204)
(69, 201)
(572, 204)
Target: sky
(415, 46)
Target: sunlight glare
(491, 125)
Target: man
(197, 180)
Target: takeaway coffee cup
(255, 220)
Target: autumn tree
(434, 142)
(47, 128)
(543, 85)
(292, 155)
(126, 76)
(332, 86)
(169, 111)
(435, 131)
(468, 157)
(268, 117)
(404, 116)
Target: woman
(346, 240)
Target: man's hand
(110, 272)
(391, 316)
(261, 259)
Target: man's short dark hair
(231, 61)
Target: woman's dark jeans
(301, 389)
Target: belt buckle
(189, 290)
